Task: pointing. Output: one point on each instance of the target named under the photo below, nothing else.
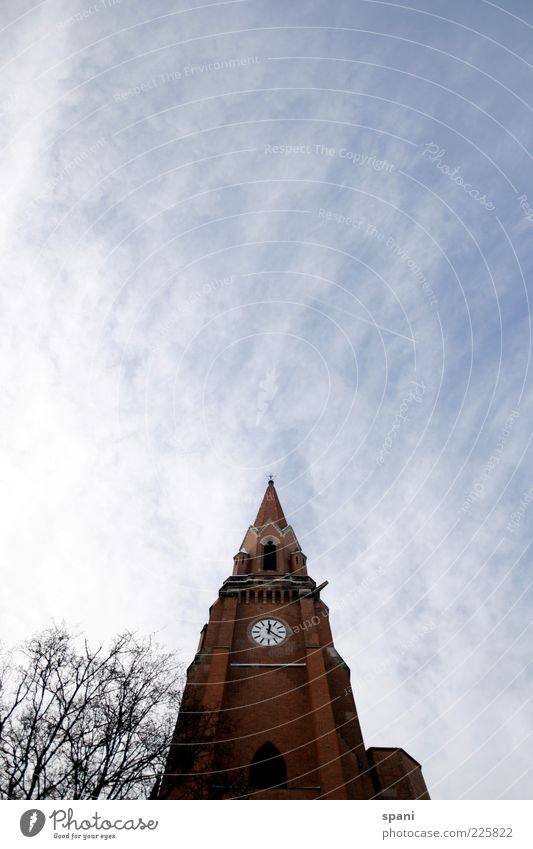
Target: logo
(32, 822)
(268, 391)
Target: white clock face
(268, 632)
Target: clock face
(268, 632)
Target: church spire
(270, 509)
(276, 693)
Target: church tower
(268, 711)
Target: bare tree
(202, 741)
(84, 723)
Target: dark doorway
(268, 769)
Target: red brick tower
(268, 710)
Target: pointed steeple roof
(270, 509)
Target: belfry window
(268, 769)
(269, 557)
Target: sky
(249, 237)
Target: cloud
(226, 254)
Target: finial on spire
(271, 480)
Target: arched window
(268, 769)
(269, 557)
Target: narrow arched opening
(269, 557)
(268, 768)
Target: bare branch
(81, 723)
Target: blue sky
(252, 237)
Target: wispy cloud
(225, 254)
